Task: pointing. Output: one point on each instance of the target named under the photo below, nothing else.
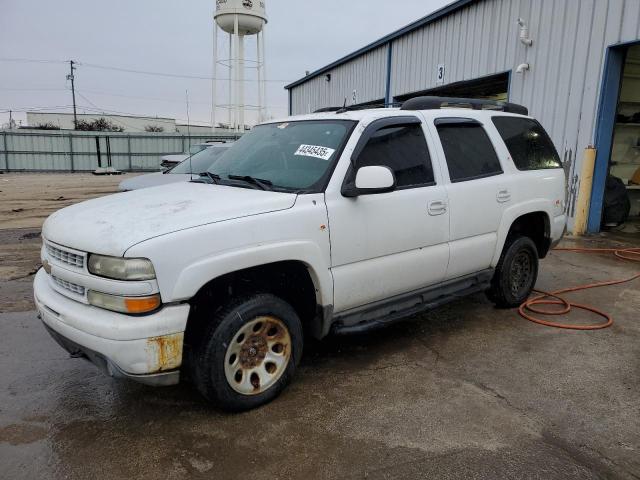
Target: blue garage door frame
(605, 124)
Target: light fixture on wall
(327, 77)
(524, 33)
(522, 67)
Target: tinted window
(404, 150)
(528, 143)
(468, 151)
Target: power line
(36, 109)
(167, 74)
(131, 70)
(156, 99)
(30, 60)
(32, 89)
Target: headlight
(121, 268)
(124, 304)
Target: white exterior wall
(130, 124)
(562, 88)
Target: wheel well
(536, 226)
(288, 280)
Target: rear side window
(528, 143)
(467, 149)
(404, 150)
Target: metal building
(574, 63)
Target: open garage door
(493, 87)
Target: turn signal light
(121, 304)
(142, 304)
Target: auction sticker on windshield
(315, 151)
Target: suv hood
(153, 180)
(112, 224)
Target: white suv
(339, 221)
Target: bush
(46, 126)
(99, 125)
(153, 128)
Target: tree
(153, 128)
(99, 125)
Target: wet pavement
(467, 391)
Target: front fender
(194, 276)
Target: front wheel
(249, 353)
(516, 273)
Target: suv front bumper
(147, 349)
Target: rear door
(477, 191)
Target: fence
(71, 151)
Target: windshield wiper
(258, 182)
(212, 176)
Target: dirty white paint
(109, 225)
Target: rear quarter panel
(531, 191)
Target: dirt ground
(26, 200)
(465, 391)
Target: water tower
(239, 18)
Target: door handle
(503, 196)
(437, 207)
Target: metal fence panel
(30, 150)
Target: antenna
(186, 93)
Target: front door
(390, 243)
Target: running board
(383, 313)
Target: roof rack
(435, 103)
(327, 109)
(352, 108)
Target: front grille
(72, 287)
(65, 256)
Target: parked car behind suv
(340, 221)
(182, 172)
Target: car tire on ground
(248, 353)
(516, 273)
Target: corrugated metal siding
(567, 59)
(76, 151)
(366, 74)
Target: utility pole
(10, 120)
(73, 93)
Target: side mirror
(370, 180)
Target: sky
(38, 37)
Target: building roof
(97, 114)
(432, 17)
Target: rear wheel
(249, 352)
(516, 273)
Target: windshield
(291, 156)
(199, 162)
(195, 149)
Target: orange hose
(630, 254)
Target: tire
(516, 273)
(248, 353)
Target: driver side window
(404, 150)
